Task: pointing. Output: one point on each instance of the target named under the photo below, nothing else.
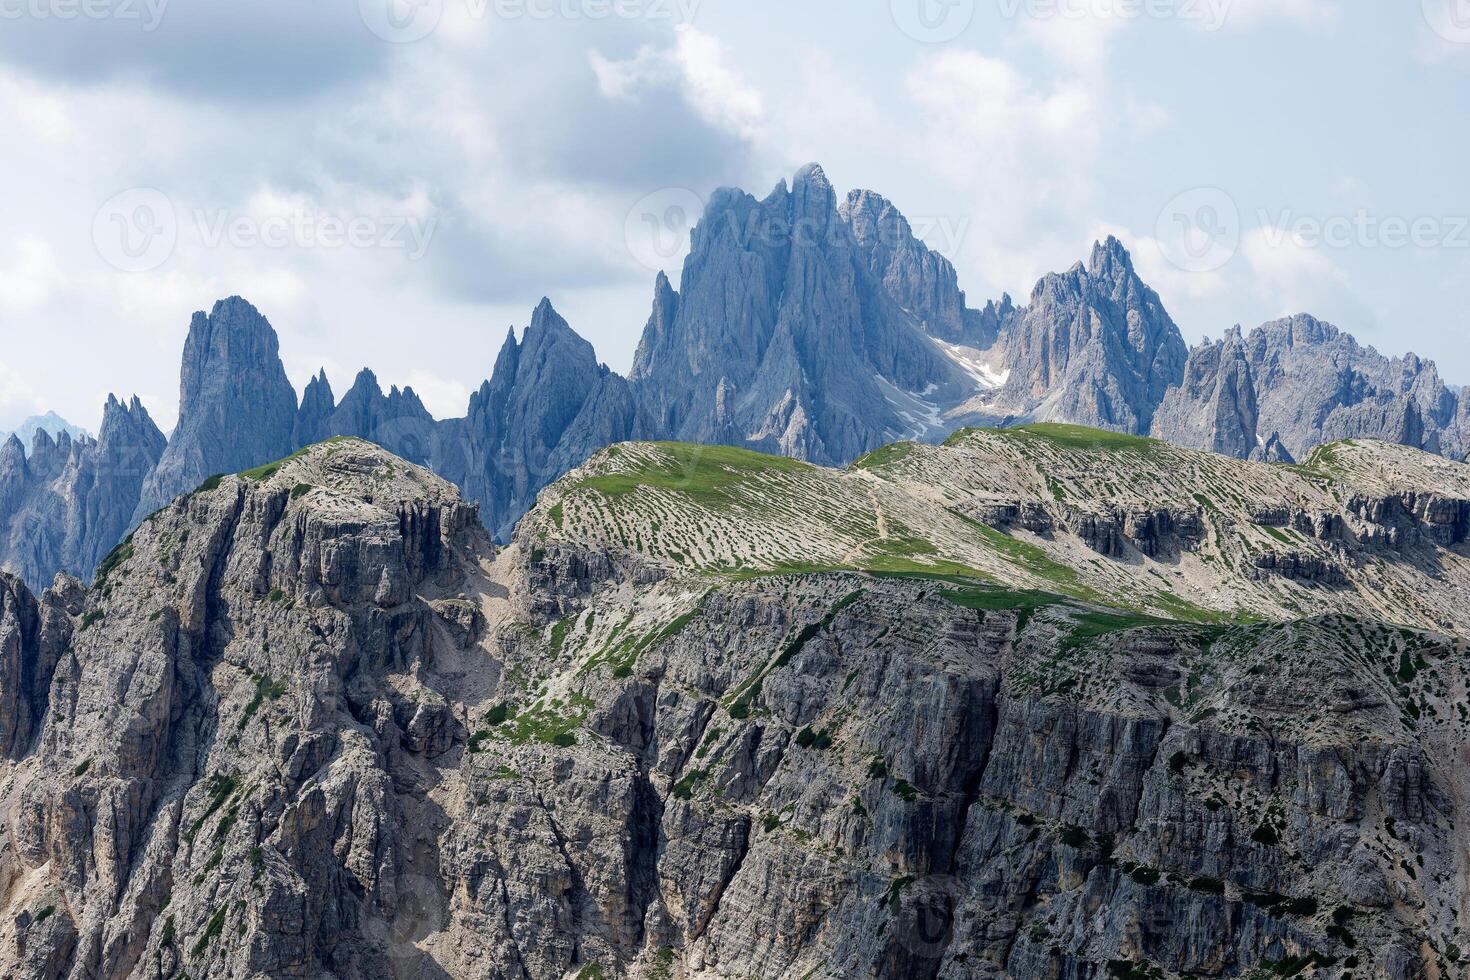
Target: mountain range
(1039, 702)
(802, 325)
(52, 423)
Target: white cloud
(29, 275)
(717, 90)
(17, 397)
(1292, 274)
(445, 398)
(699, 65)
(1239, 13)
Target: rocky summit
(1050, 702)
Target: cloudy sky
(395, 182)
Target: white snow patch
(920, 415)
(972, 362)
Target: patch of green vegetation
(1277, 533)
(1280, 905)
(547, 725)
(1030, 558)
(227, 822)
(663, 964)
(110, 564)
(557, 514)
(269, 470)
(497, 715)
(82, 767)
(559, 634)
(220, 788)
(212, 931)
(807, 738)
(44, 914)
(684, 788)
(212, 484)
(1024, 604)
(894, 898)
(714, 476)
(167, 937)
(592, 971)
(300, 490)
(1294, 965)
(1090, 626)
(91, 619)
(1080, 437)
(277, 596)
(745, 695)
(884, 455)
(1075, 837)
(1128, 970)
(265, 689)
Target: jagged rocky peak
(921, 280)
(1311, 384)
(253, 627)
(236, 405)
(317, 405)
(71, 501)
(1094, 347)
(782, 337)
(548, 405)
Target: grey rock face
(548, 405)
(783, 335)
(1215, 406)
(236, 407)
(264, 753)
(397, 421)
(1094, 347)
(66, 505)
(1311, 384)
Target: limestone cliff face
(1303, 383)
(236, 407)
(783, 336)
(1094, 347)
(314, 725)
(548, 405)
(66, 504)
